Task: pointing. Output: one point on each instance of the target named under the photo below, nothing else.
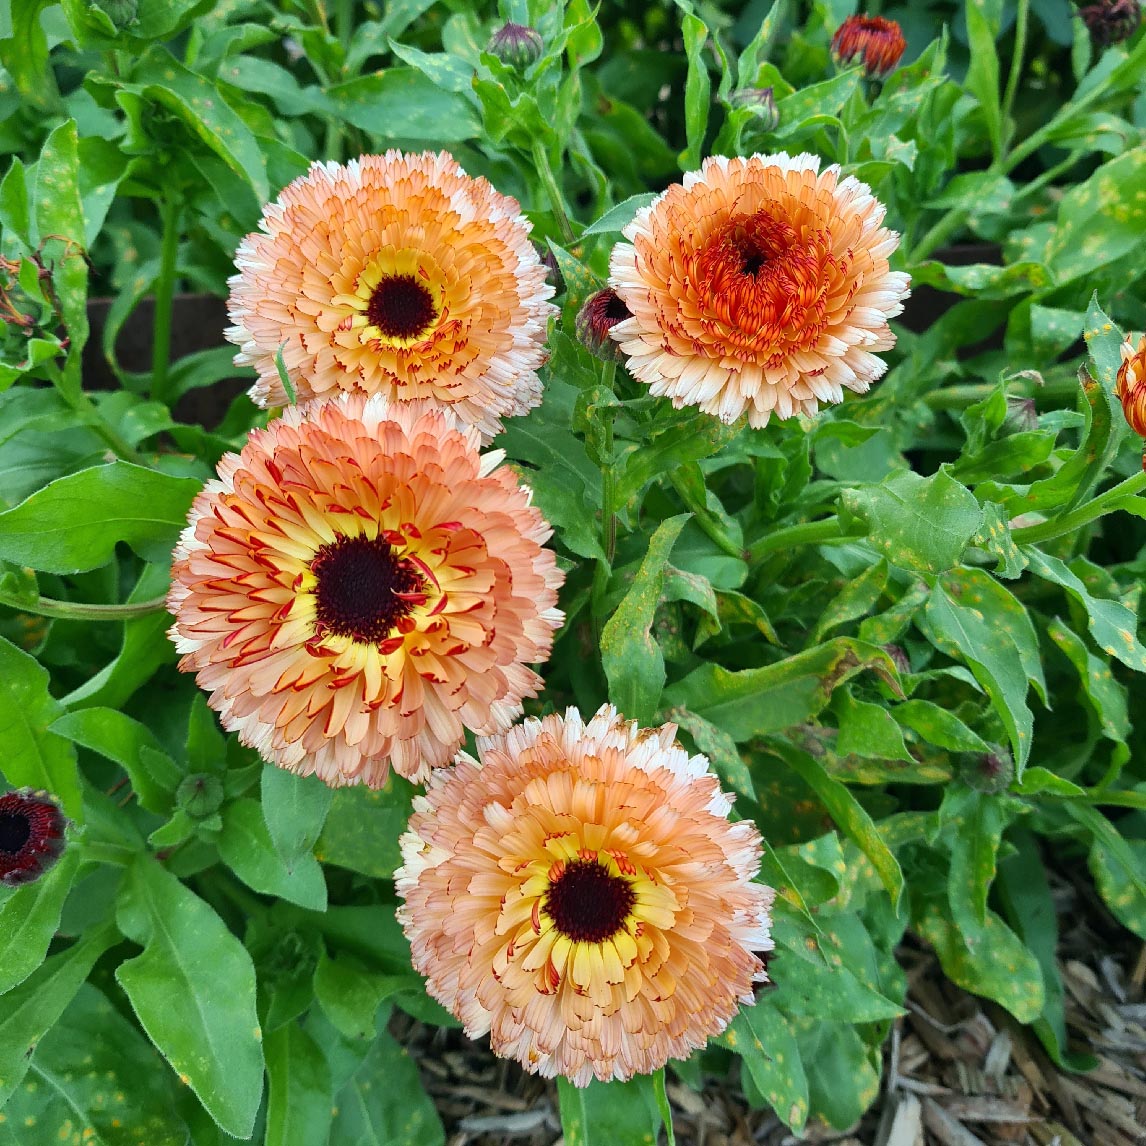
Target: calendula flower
(876, 42)
(581, 895)
(31, 835)
(758, 284)
(396, 275)
(1131, 384)
(360, 586)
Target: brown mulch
(959, 1071)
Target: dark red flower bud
(876, 42)
(31, 835)
(760, 101)
(1111, 22)
(990, 772)
(599, 314)
(516, 45)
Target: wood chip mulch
(959, 1071)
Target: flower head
(517, 45)
(396, 275)
(31, 835)
(598, 315)
(581, 895)
(878, 44)
(360, 586)
(1111, 21)
(1131, 384)
(758, 284)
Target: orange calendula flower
(397, 275)
(758, 285)
(581, 895)
(360, 586)
(1131, 384)
(878, 43)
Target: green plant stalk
(1092, 510)
(608, 471)
(164, 296)
(707, 520)
(89, 415)
(1021, 19)
(825, 532)
(79, 611)
(556, 200)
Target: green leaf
(30, 755)
(610, 1113)
(697, 89)
(847, 812)
(983, 74)
(1118, 866)
(633, 661)
(856, 599)
(32, 1009)
(753, 702)
(1105, 693)
(825, 98)
(938, 726)
(972, 823)
(720, 749)
(402, 103)
(686, 441)
(294, 808)
(619, 217)
(763, 1039)
(74, 523)
(29, 918)
(94, 1079)
(246, 848)
(919, 523)
(868, 730)
(193, 990)
(363, 825)
(842, 1082)
(299, 1092)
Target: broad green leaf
(30, 755)
(363, 825)
(757, 50)
(842, 1081)
(973, 824)
(938, 726)
(852, 818)
(619, 217)
(193, 990)
(74, 523)
(720, 749)
(402, 103)
(983, 74)
(919, 523)
(94, 1079)
(29, 918)
(294, 808)
(753, 702)
(246, 848)
(632, 659)
(24, 55)
(688, 441)
(610, 1113)
(697, 89)
(868, 730)
(763, 1039)
(825, 98)
(31, 1009)
(856, 599)
(299, 1092)
(1105, 693)
(1118, 866)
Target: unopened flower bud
(877, 43)
(123, 13)
(553, 275)
(31, 835)
(599, 314)
(986, 772)
(200, 795)
(1131, 385)
(1111, 21)
(898, 657)
(762, 102)
(1021, 415)
(516, 45)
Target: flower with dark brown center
(1111, 21)
(31, 835)
(598, 315)
(877, 43)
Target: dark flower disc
(31, 835)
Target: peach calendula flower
(1131, 384)
(581, 895)
(360, 585)
(758, 284)
(397, 275)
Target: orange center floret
(363, 590)
(587, 903)
(401, 307)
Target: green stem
(706, 519)
(164, 295)
(825, 532)
(89, 415)
(1105, 503)
(102, 852)
(608, 472)
(556, 200)
(1016, 58)
(79, 611)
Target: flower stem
(556, 200)
(608, 472)
(1016, 58)
(706, 519)
(1105, 503)
(825, 532)
(164, 295)
(79, 611)
(89, 415)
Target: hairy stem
(79, 611)
(556, 199)
(1092, 510)
(164, 295)
(825, 532)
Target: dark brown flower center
(14, 831)
(401, 307)
(587, 903)
(363, 589)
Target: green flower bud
(200, 795)
(516, 45)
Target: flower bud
(31, 835)
(553, 275)
(599, 314)
(1021, 415)
(1111, 21)
(516, 45)
(1131, 385)
(123, 13)
(200, 795)
(762, 103)
(898, 657)
(876, 42)
(986, 772)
